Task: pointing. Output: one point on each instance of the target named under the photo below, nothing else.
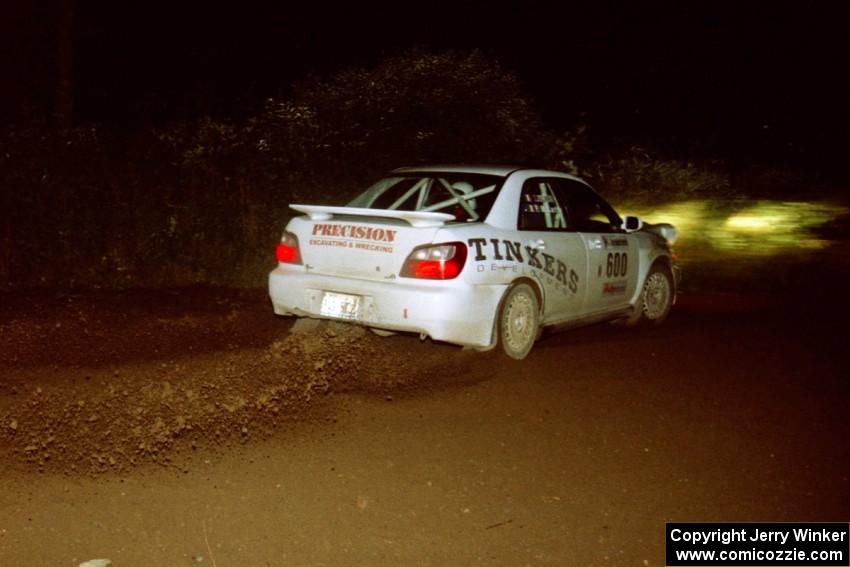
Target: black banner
(745, 544)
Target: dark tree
(63, 101)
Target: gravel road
(190, 427)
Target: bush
(638, 176)
(425, 107)
(51, 183)
(205, 201)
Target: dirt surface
(95, 384)
(192, 426)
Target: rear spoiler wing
(418, 219)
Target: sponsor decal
(540, 208)
(511, 251)
(537, 198)
(613, 288)
(372, 247)
(319, 242)
(353, 236)
(615, 241)
(354, 232)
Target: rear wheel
(656, 298)
(519, 321)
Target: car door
(612, 254)
(555, 256)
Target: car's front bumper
(450, 310)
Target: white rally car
(476, 256)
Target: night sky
(762, 81)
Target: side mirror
(631, 223)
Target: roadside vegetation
(203, 202)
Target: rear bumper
(450, 311)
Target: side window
(540, 208)
(587, 211)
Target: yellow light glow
(746, 229)
(748, 222)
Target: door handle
(537, 244)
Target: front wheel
(519, 321)
(656, 298)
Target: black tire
(518, 321)
(656, 298)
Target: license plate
(340, 305)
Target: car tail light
(287, 252)
(435, 261)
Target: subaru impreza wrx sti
(476, 256)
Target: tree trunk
(63, 102)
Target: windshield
(467, 196)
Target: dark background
(160, 143)
(761, 81)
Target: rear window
(467, 196)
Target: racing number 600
(617, 265)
